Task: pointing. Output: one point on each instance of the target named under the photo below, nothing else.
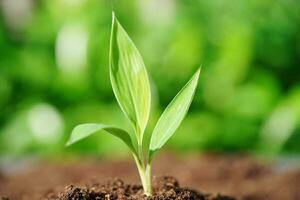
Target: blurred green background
(54, 72)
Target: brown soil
(238, 176)
(164, 188)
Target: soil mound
(165, 188)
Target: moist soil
(210, 176)
(163, 188)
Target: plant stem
(144, 171)
(148, 190)
(143, 168)
(145, 176)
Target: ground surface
(164, 188)
(238, 176)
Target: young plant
(131, 87)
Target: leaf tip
(69, 142)
(113, 18)
(195, 77)
(199, 71)
(113, 15)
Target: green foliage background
(54, 72)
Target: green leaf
(129, 78)
(173, 115)
(84, 130)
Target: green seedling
(131, 87)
